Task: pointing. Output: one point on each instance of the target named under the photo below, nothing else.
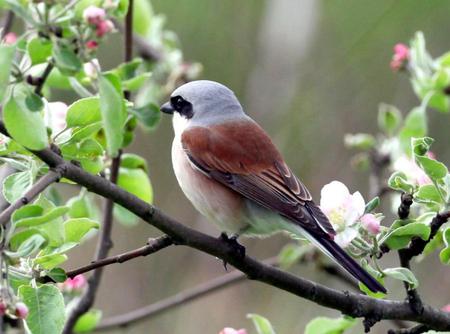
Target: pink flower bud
(94, 15)
(371, 223)
(21, 310)
(104, 27)
(91, 44)
(76, 283)
(229, 330)
(3, 308)
(10, 38)
(400, 57)
(446, 308)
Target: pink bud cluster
(20, 310)
(10, 38)
(400, 57)
(76, 284)
(96, 17)
(229, 330)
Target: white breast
(216, 202)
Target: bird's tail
(343, 259)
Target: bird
(232, 173)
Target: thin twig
(152, 246)
(177, 300)
(52, 176)
(43, 78)
(412, 294)
(352, 304)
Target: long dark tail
(350, 265)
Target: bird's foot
(237, 247)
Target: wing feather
(242, 157)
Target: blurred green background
(308, 71)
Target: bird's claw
(237, 247)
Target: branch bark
(153, 246)
(352, 304)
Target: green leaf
(66, 60)
(85, 132)
(30, 246)
(84, 112)
(112, 108)
(375, 274)
(133, 161)
(45, 218)
(398, 181)
(428, 194)
(440, 102)
(402, 274)
(372, 204)
(77, 228)
(136, 181)
(57, 274)
(415, 126)
(50, 261)
(16, 184)
(53, 227)
(325, 325)
(148, 115)
(136, 82)
(27, 211)
(40, 50)
(89, 148)
(143, 17)
(262, 325)
(18, 117)
(81, 206)
(18, 238)
(125, 217)
(444, 255)
(434, 169)
(6, 59)
(400, 235)
(46, 309)
(88, 321)
(422, 145)
(361, 141)
(389, 118)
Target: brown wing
(241, 156)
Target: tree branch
(43, 78)
(418, 329)
(352, 304)
(177, 300)
(152, 246)
(52, 176)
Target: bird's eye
(182, 106)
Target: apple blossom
(77, 283)
(229, 330)
(104, 27)
(10, 38)
(446, 308)
(343, 210)
(91, 44)
(400, 57)
(21, 310)
(371, 223)
(57, 116)
(91, 68)
(94, 15)
(409, 167)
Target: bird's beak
(167, 108)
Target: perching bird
(230, 170)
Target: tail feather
(342, 258)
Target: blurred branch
(7, 23)
(43, 78)
(352, 304)
(103, 246)
(179, 299)
(152, 246)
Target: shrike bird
(230, 170)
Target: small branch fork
(352, 304)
